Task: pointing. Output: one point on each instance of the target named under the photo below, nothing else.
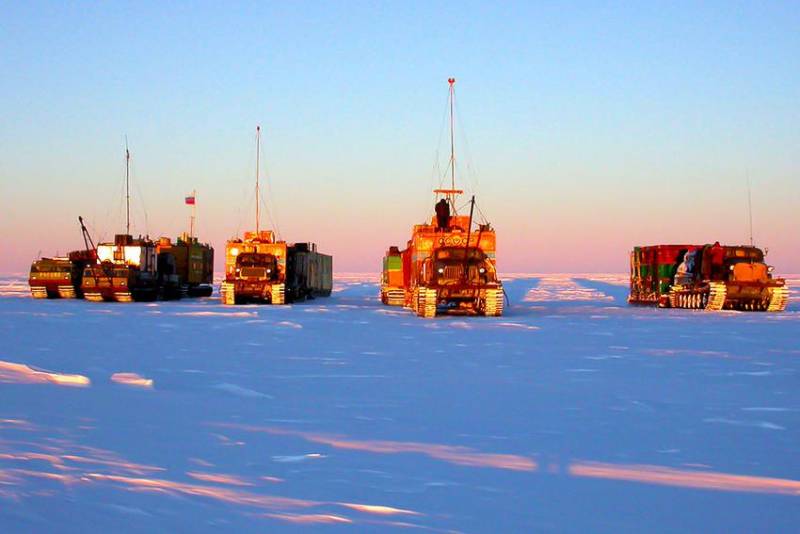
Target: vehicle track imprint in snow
(558, 288)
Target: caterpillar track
(494, 303)
(39, 292)
(393, 297)
(425, 302)
(227, 294)
(67, 292)
(123, 296)
(711, 298)
(779, 298)
(715, 298)
(278, 294)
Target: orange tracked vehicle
(260, 268)
(448, 264)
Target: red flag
(190, 200)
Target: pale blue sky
(591, 126)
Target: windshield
(459, 253)
(50, 267)
(742, 254)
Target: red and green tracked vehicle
(710, 277)
(448, 264)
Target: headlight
(481, 270)
(234, 251)
(731, 267)
(441, 270)
(770, 269)
(269, 271)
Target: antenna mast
(258, 189)
(452, 82)
(192, 216)
(127, 189)
(750, 207)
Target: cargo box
(309, 273)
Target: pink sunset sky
(582, 133)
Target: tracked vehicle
(448, 265)
(262, 269)
(61, 277)
(145, 270)
(185, 267)
(141, 269)
(126, 271)
(710, 277)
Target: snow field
(572, 412)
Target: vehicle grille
(254, 272)
(453, 272)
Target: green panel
(393, 263)
(666, 270)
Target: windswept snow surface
(573, 412)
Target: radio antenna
(750, 206)
(127, 188)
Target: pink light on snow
(667, 476)
(22, 374)
(132, 379)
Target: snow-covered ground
(574, 412)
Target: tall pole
(750, 207)
(258, 190)
(452, 82)
(127, 188)
(191, 218)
